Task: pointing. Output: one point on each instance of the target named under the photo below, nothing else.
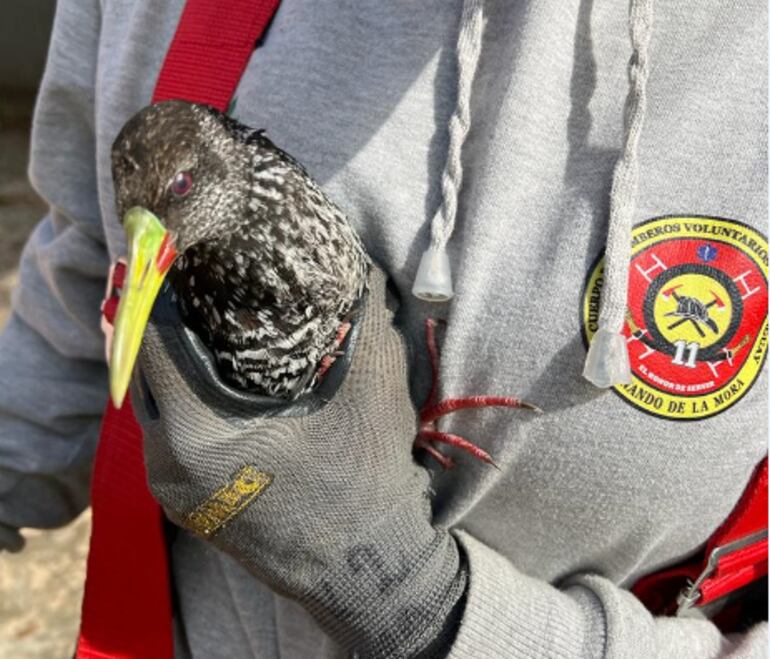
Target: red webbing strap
(735, 556)
(212, 46)
(127, 602)
(127, 605)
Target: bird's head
(181, 174)
(186, 164)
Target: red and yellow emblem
(696, 323)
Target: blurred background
(41, 587)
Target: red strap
(211, 48)
(735, 555)
(127, 604)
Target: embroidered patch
(696, 323)
(228, 501)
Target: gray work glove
(320, 498)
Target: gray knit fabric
(591, 494)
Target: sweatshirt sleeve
(508, 614)
(52, 372)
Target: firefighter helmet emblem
(692, 309)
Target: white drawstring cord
(434, 277)
(607, 361)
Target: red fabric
(659, 590)
(127, 602)
(127, 607)
(735, 571)
(211, 48)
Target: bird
(265, 266)
(267, 270)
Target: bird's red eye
(182, 184)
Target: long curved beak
(151, 253)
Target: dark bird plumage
(269, 266)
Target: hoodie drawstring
(607, 361)
(433, 282)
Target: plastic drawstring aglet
(607, 360)
(433, 282)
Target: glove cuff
(393, 593)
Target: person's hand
(319, 498)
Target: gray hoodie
(606, 485)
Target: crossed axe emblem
(691, 309)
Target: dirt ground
(41, 587)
